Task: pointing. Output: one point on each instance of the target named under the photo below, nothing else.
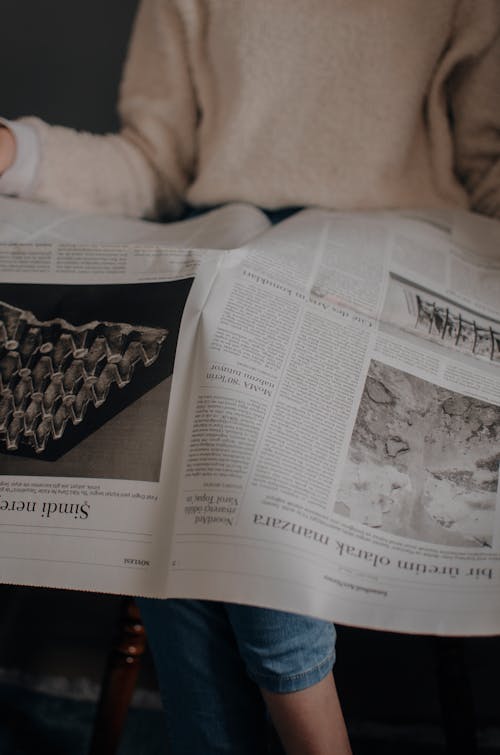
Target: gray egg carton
(58, 382)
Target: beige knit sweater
(337, 103)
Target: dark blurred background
(61, 60)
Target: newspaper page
(87, 342)
(27, 222)
(339, 387)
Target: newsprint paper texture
(333, 436)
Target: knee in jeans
(283, 652)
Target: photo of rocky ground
(423, 461)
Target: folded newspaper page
(337, 390)
(332, 445)
(27, 222)
(87, 342)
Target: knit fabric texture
(346, 104)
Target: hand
(7, 148)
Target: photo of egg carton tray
(73, 356)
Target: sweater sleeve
(475, 107)
(145, 168)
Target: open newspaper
(333, 435)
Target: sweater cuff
(19, 179)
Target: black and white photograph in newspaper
(85, 374)
(423, 462)
(441, 320)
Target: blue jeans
(211, 658)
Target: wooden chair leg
(119, 681)
(455, 692)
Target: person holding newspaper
(340, 105)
